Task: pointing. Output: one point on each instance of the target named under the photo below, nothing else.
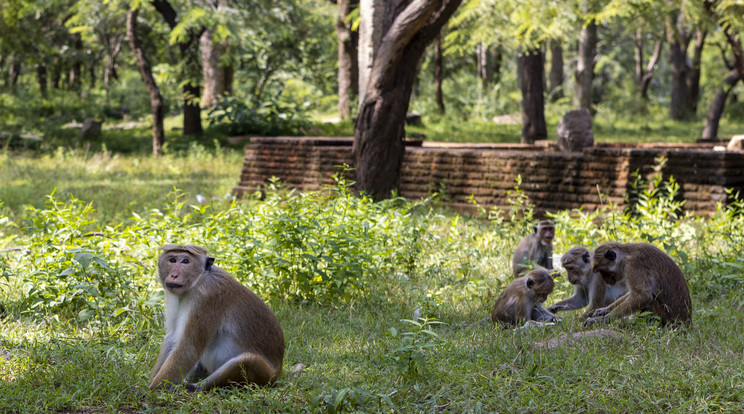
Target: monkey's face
(605, 262)
(179, 271)
(578, 266)
(545, 233)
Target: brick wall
(551, 179)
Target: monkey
(521, 300)
(536, 247)
(589, 288)
(216, 329)
(655, 283)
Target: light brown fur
(216, 328)
(521, 300)
(589, 288)
(655, 283)
(535, 248)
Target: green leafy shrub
(275, 116)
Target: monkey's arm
(165, 350)
(182, 360)
(539, 313)
(597, 293)
(577, 301)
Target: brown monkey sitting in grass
(216, 329)
(522, 300)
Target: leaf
(86, 314)
(84, 259)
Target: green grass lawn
(67, 348)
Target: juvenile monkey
(521, 300)
(589, 288)
(536, 248)
(655, 283)
(215, 328)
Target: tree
(348, 66)
(397, 44)
(187, 42)
(156, 99)
(531, 69)
(586, 58)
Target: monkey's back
(672, 300)
(262, 332)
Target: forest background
(374, 296)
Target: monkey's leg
(631, 304)
(247, 367)
(607, 309)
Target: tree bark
(156, 100)
(531, 75)
(370, 36)
(556, 70)
(214, 72)
(678, 39)
(644, 76)
(75, 70)
(481, 59)
(14, 72)
(41, 78)
(109, 72)
(191, 90)
(438, 74)
(407, 28)
(585, 65)
(712, 119)
(348, 66)
(693, 76)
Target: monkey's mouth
(172, 286)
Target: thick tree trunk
(531, 75)
(156, 100)
(370, 36)
(41, 78)
(348, 67)
(678, 39)
(214, 72)
(408, 28)
(191, 90)
(585, 65)
(555, 78)
(438, 73)
(710, 131)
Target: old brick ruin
(552, 180)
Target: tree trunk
(481, 59)
(348, 66)
(644, 76)
(585, 65)
(156, 100)
(41, 77)
(438, 73)
(75, 71)
(498, 59)
(693, 75)
(531, 74)
(710, 131)
(370, 36)
(378, 135)
(556, 70)
(109, 71)
(14, 72)
(190, 90)
(678, 39)
(214, 72)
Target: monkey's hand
(590, 321)
(599, 312)
(556, 308)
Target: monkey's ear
(210, 262)
(534, 229)
(530, 283)
(610, 255)
(586, 257)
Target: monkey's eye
(172, 260)
(185, 261)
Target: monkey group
(615, 281)
(218, 332)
